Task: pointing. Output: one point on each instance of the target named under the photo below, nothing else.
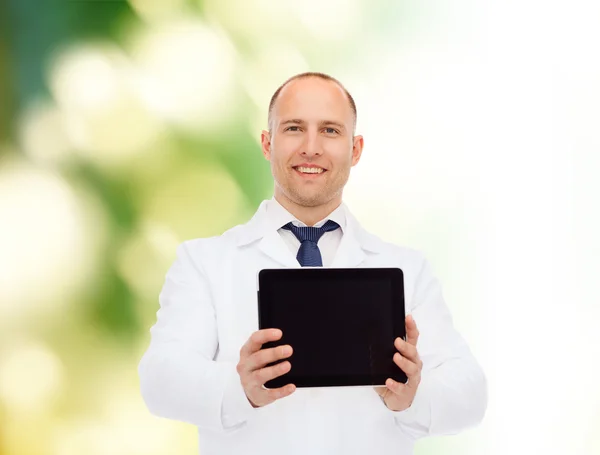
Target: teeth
(310, 170)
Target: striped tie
(309, 254)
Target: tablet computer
(341, 323)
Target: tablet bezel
(396, 278)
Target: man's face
(311, 145)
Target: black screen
(341, 323)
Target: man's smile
(309, 170)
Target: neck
(308, 215)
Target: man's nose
(312, 145)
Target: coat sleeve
(179, 378)
(452, 395)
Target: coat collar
(278, 216)
(351, 251)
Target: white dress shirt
(328, 243)
(208, 310)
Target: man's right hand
(253, 373)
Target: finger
(411, 369)
(396, 387)
(407, 350)
(265, 356)
(281, 392)
(412, 333)
(381, 391)
(257, 339)
(259, 377)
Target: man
(205, 365)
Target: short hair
(323, 76)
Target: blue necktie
(309, 254)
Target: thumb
(412, 333)
(380, 391)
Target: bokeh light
(44, 233)
(91, 437)
(336, 20)
(142, 262)
(251, 21)
(31, 377)
(43, 134)
(158, 10)
(106, 118)
(180, 201)
(178, 61)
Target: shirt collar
(261, 223)
(278, 216)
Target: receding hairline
(308, 75)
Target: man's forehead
(301, 101)
(299, 89)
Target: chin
(309, 197)
(310, 200)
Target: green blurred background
(128, 127)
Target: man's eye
(292, 128)
(331, 131)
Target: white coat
(208, 309)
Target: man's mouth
(309, 170)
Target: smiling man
(205, 365)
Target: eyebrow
(296, 121)
(332, 123)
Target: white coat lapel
(349, 253)
(273, 246)
(354, 243)
(270, 242)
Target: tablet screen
(341, 323)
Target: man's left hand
(398, 396)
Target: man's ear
(265, 142)
(357, 148)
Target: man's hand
(398, 396)
(253, 373)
